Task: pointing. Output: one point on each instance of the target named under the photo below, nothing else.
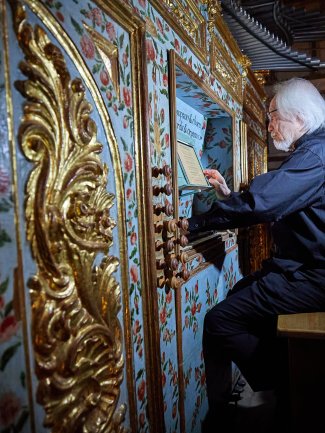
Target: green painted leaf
(121, 40)
(77, 27)
(7, 355)
(4, 285)
(8, 308)
(21, 421)
(125, 147)
(96, 68)
(134, 251)
(23, 379)
(140, 373)
(4, 237)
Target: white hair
(298, 97)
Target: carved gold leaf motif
(225, 70)
(76, 331)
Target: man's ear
(301, 123)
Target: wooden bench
(306, 345)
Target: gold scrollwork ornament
(76, 331)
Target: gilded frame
(225, 70)
(191, 31)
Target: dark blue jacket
(292, 197)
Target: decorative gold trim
(216, 22)
(109, 54)
(187, 22)
(19, 290)
(262, 76)
(243, 153)
(125, 16)
(225, 70)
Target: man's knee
(214, 321)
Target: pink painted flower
(141, 390)
(111, 31)
(151, 52)
(165, 80)
(128, 163)
(115, 108)
(193, 309)
(136, 327)
(142, 419)
(159, 25)
(4, 180)
(109, 95)
(174, 410)
(136, 302)
(96, 16)
(10, 408)
(163, 379)
(167, 140)
(176, 45)
(196, 287)
(8, 328)
(128, 193)
(163, 315)
(162, 115)
(222, 144)
(104, 77)
(190, 62)
(127, 96)
(125, 59)
(87, 47)
(169, 297)
(134, 273)
(60, 16)
(143, 3)
(133, 238)
(125, 122)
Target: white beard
(284, 145)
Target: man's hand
(218, 182)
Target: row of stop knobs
(169, 264)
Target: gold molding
(191, 30)
(19, 289)
(254, 99)
(243, 153)
(225, 70)
(216, 22)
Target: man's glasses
(269, 114)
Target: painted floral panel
(14, 408)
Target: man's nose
(270, 126)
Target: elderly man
(242, 328)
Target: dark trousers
(242, 329)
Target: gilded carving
(187, 21)
(76, 331)
(225, 70)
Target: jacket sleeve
(271, 196)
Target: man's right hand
(218, 182)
